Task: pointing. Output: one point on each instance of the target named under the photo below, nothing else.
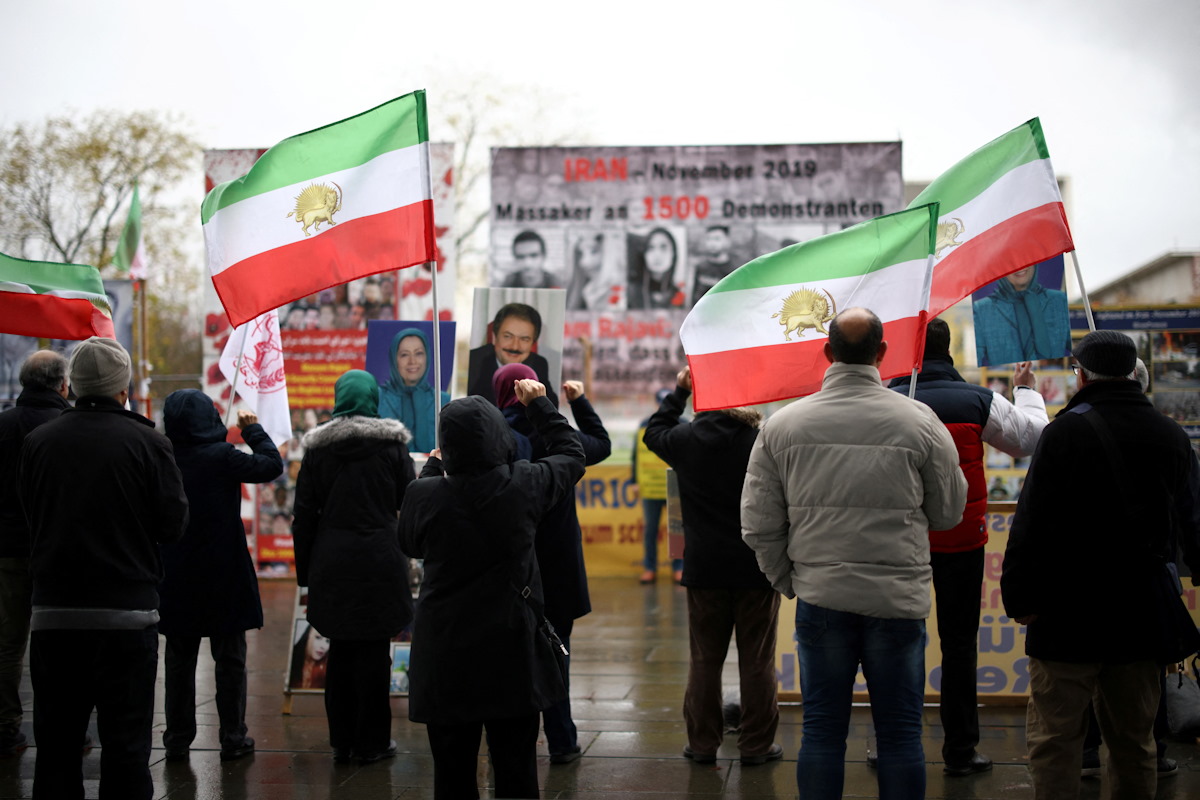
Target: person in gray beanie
(1111, 489)
(100, 491)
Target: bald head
(856, 337)
(47, 370)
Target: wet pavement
(628, 671)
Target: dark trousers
(957, 581)
(229, 656)
(358, 681)
(713, 616)
(561, 736)
(113, 672)
(512, 748)
(16, 595)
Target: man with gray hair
(100, 491)
(43, 397)
(1110, 492)
(840, 494)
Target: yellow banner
(1003, 670)
(610, 515)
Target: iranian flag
(131, 256)
(759, 334)
(53, 301)
(1001, 212)
(341, 202)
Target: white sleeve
(1015, 429)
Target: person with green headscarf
(351, 485)
(408, 396)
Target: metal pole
(1087, 304)
(430, 241)
(237, 361)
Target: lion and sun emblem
(806, 309)
(316, 204)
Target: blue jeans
(651, 518)
(831, 645)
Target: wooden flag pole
(144, 349)
(1087, 304)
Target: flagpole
(437, 327)
(144, 349)
(237, 371)
(934, 210)
(1087, 304)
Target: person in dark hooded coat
(559, 540)
(352, 481)
(473, 516)
(209, 588)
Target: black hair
(520, 311)
(937, 339)
(529, 236)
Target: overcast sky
(1114, 82)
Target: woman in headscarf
(472, 517)
(1021, 320)
(213, 550)
(559, 541)
(352, 482)
(408, 396)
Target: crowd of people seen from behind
(859, 502)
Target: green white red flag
(1001, 211)
(759, 334)
(322, 208)
(131, 256)
(52, 301)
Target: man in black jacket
(100, 491)
(1094, 526)
(43, 397)
(727, 593)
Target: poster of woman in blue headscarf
(1023, 316)
(400, 356)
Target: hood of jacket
(474, 437)
(189, 417)
(933, 368)
(354, 437)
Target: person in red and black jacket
(974, 416)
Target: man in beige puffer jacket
(840, 493)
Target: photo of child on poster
(400, 356)
(516, 326)
(1023, 316)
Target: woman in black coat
(559, 543)
(352, 481)
(209, 587)
(481, 598)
